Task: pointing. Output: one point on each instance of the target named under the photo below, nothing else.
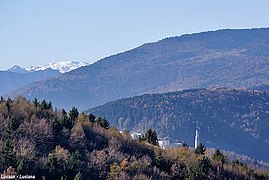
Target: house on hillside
(136, 135)
(164, 142)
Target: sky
(35, 32)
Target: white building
(136, 135)
(164, 143)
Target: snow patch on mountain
(63, 66)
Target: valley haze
(235, 58)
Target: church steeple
(197, 138)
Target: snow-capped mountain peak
(63, 66)
(18, 69)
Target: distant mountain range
(17, 77)
(229, 119)
(230, 58)
(11, 81)
(63, 67)
(18, 69)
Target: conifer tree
(92, 118)
(7, 155)
(151, 137)
(219, 157)
(11, 125)
(200, 149)
(2, 99)
(103, 122)
(35, 102)
(202, 169)
(73, 114)
(44, 105)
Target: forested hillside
(36, 140)
(230, 58)
(229, 119)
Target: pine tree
(11, 126)
(36, 103)
(65, 120)
(7, 155)
(74, 164)
(2, 99)
(202, 169)
(103, 122)
(200, 149)
(160, 161)
(219, 157)
(52, 165)
(44, 105)
(8, 102)
(73, 114)
(91, 118)
(49, 106)
(151, 137)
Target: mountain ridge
(17, 77)
(231, 58)
(230, 119)
(61, 66)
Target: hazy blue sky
(36, 32)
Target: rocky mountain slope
(232, 120)
(231, 58)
